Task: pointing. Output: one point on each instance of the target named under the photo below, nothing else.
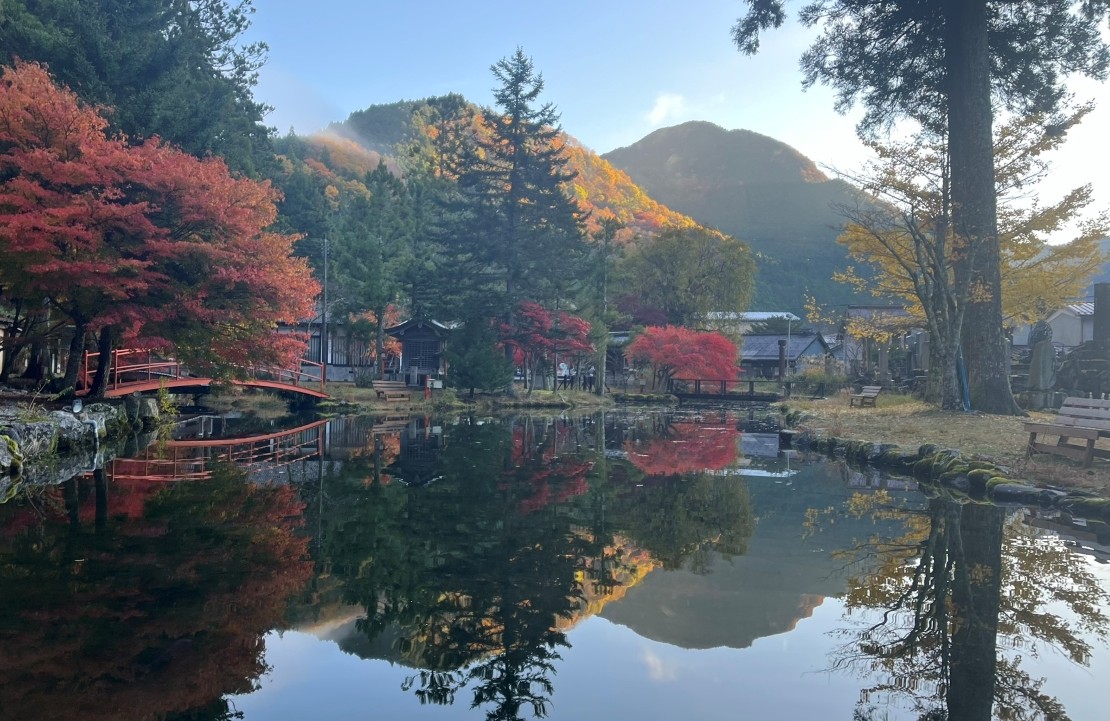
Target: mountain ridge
(760, 190)
(742, 183)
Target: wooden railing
(734, 388)
(135, 368)
(193, 459)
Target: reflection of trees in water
(149, 615)
(689, 447)
(527, 527)
(682, 521)
(936, 603)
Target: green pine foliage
(517, 233)
(475, 361)
(156, 64)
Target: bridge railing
(130, 366)
(142, 366)
(732, 388)
(193, 459)
(310, 374)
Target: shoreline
(978, 455)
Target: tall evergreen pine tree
(519, 231)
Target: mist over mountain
(759, 190)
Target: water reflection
(528, 527)
(155, 609)
(470, 551)
(947, 612)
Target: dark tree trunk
(943, 383)
(33, 335)
(104, 362)
(976, 594)
(15, 342)
(68, 386)
(974, 204)
(36, 365)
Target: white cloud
(668, 107)
(658, 669)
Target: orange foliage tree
(676, 352)
(170, 250)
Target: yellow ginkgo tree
(905, 234)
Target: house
(1072, 325)
(760, 353)
(422, 343)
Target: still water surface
(626, 565)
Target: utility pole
(324, 314)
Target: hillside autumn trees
(138, 240)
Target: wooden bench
(391, 390)
(1083, 419)
(866, 396)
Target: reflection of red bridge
(192, 459)
(139, 370)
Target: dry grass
(910, 423)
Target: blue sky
(615, 70)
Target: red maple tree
(139, 238)
(676, 352)
(537, 335)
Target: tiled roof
(766, 347)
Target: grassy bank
(911, 423)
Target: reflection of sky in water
(608, 673)
(1082, 689)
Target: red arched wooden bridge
(193, 459)
(141, 371)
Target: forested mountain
(389, 129)
(759, 190)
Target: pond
(646, 565)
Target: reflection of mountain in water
(340, 623)
(781, 579)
